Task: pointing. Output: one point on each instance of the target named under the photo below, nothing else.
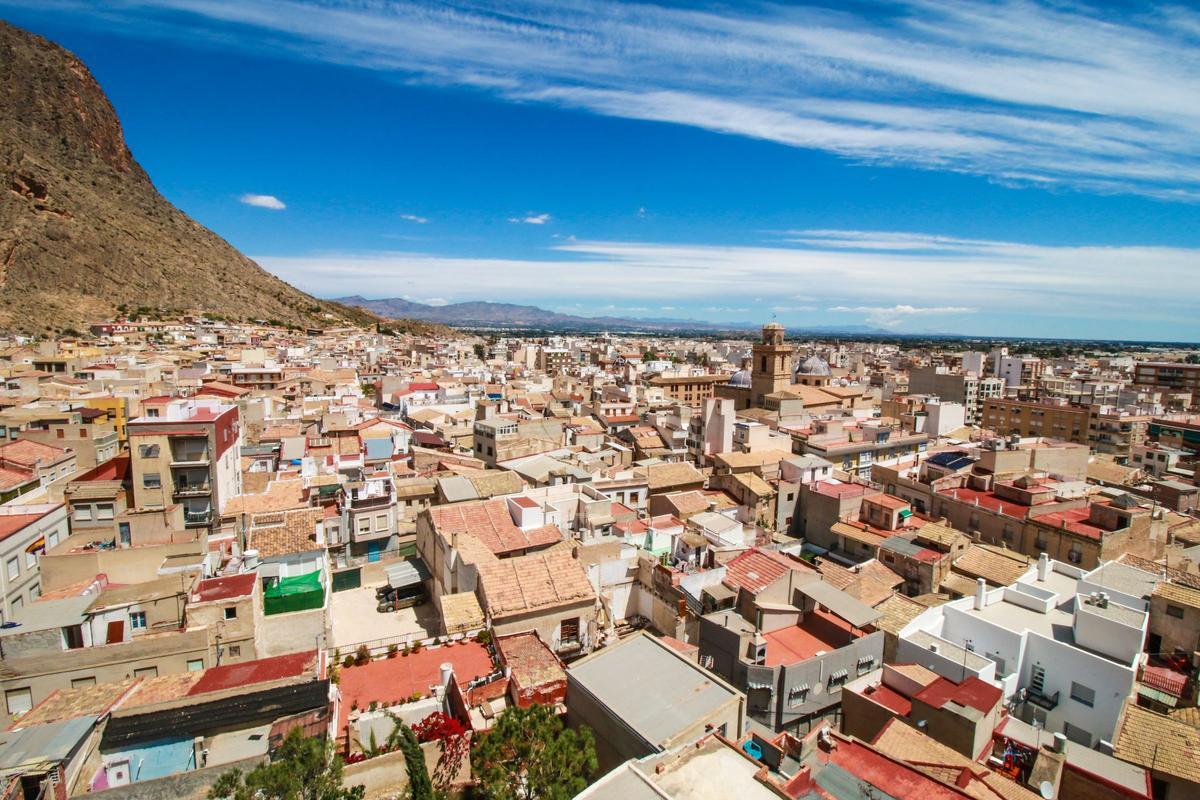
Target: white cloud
(531, 219)
(414, 218)
(1027, 93)
(263, 201)
(879, 274)
(897, 314)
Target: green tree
(303, 768)
(420, 787)
(530, 755)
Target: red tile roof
(756, 569)
(264, 670)
(972, 692)
(14, 523)
(1074, 520)
(225, 588)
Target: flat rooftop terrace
(818, 633)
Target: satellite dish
(1046, 790)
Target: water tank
(250, 560)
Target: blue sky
(1006, 168)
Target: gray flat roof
(851, 609)
(42, 744)
(46, 614)
(652, 689)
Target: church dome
(814, 365)
(740, 379)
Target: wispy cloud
(531, 218)
(1028, 93)
(892, 316)
(263, 201)
(877, 275)
(414, 218)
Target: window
(18, 700)
(568, 631)
(1083, 694)
(195, 665)
(1077, 734)
(30, 559)
(364, 524)
(104, 511)
(17, 604)
(146, 672)
(52, 540)
(1041, 540)
(798, 695)
(838, 678)
(148, 451)
(866, 664)
(35, 592)
(14, 568)
(151, 480)
(381, 522)
(90, 680)
(1075, 556)
(83, 513)
(1174, 611)
(231, 612)
(137, 620)
(235, 651)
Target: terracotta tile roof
(533, 582)
(1180, 595)
(1175, 575)
(28, 453)
(285, 532)
(461, 612)
(491, 523)
(77, 702)
(1161, 743)
(940, 534)
(757, 569)
(662, 476)
(532, 663)
(997, 567)
(280, 495)
(935, 759)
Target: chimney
(447, 673)
(980, 593)
(1043, 567)
(1060, 743)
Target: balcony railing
(1048, 702)
(192, 489)
(197, 517)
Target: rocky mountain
(82, 228)
(510, 315)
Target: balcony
(191, 489)
(190, 457)
(194, 519)
(1043, 701)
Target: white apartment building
(1064, 647)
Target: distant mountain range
(511, 315)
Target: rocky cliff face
(82, 228)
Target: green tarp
(297, 593)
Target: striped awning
(837, 676)
(1154, 694)
(757, 685)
